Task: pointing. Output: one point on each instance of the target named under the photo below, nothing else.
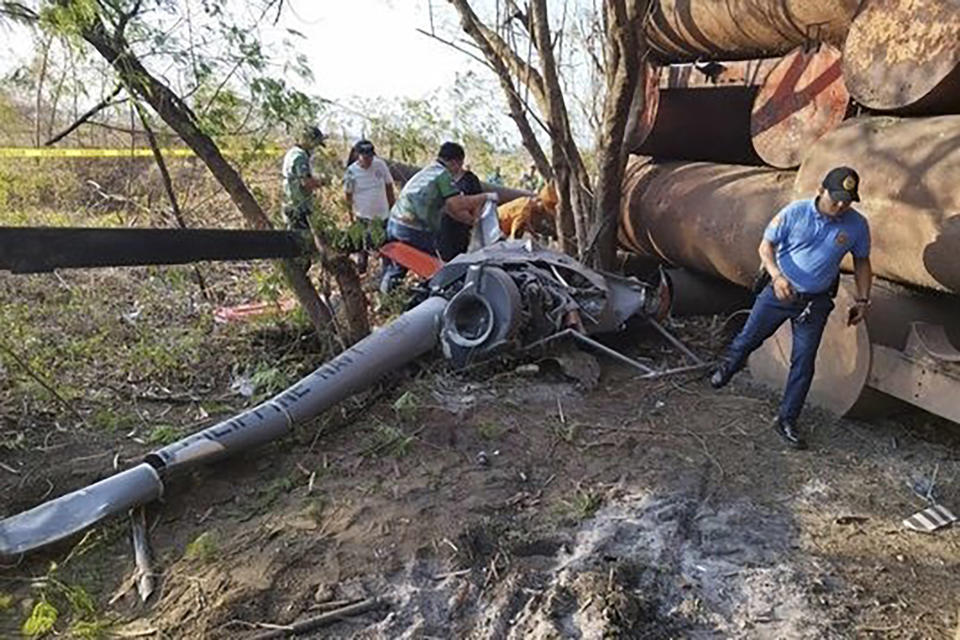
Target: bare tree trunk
(55, 100)
(566, 167)
(566, 229)
(178, 116)
(625, 73)
(496, 53)
(351, 294)
(577, 192)
(40, 81)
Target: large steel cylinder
(908, 185)
(702, 216)
(802, 98)
(903, 56)
(685, 30)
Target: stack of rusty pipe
(710, 218)
(752, 112)
(742, 81)
(725, 141)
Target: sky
(361, 48)
(355, 48)
(371, 48)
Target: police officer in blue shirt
(801, 252)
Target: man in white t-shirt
(368, 188)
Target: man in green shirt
(426, 197)
(299, 182)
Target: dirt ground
(510, 501)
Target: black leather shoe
(789, 434)
(721, 376)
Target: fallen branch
(452, 574)
(7, 467)
(298, 628)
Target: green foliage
(68, 18)
(41, 620)
(489, 430)
(276, 488)
(269, 380)
(390, 440)
(407, 406)
(164, 434)
(81, 604)
(269, 284)
(6, 601)
(584, 504)
(394, 303)
(203, 548)
(90, 629)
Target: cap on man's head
(451, 151)
(311, 135)
(843, 184)
(365, 148)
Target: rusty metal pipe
(687, 30)
(738, 73)
(903, 56)
(802, 98)
(706, 217)
(908, 170)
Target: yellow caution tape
(75, 152)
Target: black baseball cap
(365, 148)
(843, 184)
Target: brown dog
(536, 215)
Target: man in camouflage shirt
(299, 182)
(426, 197)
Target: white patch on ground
(644, 566)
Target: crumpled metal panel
(64, 516)
(604, 307)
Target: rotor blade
(40, 249)
(73, 512)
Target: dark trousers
(808, 316)
(454, 238)
(393, 273)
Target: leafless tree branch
(97, 108)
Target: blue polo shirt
(811, 245)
